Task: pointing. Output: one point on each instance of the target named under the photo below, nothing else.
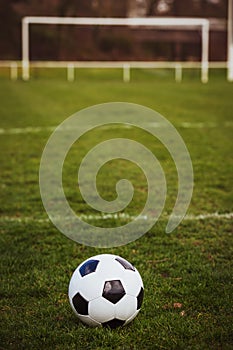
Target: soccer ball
(106, 290)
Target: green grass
(192, 266)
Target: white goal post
(230, 41)
(164, 22)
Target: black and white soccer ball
(106, 290)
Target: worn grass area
(187, 274)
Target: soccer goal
(162, 22)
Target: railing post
(126, 72)
(178, 72)
(70, 72)
(14, 71)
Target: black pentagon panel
(140, 298)
(88, 267)
(113, 323)
(113, 291)
(125, 264)
(80, 304)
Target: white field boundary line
(119, 216)
(184, 125)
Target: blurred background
(71, 43)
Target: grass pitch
(187, 274)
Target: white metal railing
(16, 66)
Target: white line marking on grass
(27, 130)
(216, 215)
(120, 216)
(185, 125)
(188, 125)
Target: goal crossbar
(164, 22)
